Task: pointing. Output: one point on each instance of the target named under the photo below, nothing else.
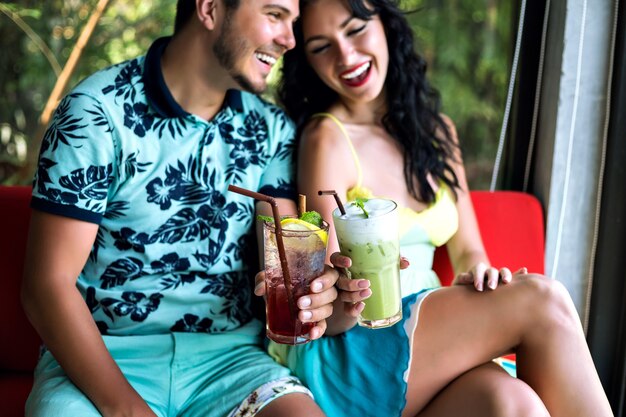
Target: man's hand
(315, 307)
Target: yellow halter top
(439, 220)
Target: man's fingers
(315, 315)
(317, 300)
(259, 283)
(318, 330)
(324, 281)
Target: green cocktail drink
(373, 245)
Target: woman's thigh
(486, 391)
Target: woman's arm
(466, 250)
(325, 163)
(57, 250)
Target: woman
(369, 125)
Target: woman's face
(348, 54)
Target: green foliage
(27, 75)
(468, 45)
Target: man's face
(253, 37)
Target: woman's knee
(486, 390)
(515, 399)
(548, 302)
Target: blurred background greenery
(468, 44)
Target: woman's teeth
(358, 71)
(269, 60)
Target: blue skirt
(362, 372)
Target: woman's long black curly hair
(413, 107)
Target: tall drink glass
(373, 245)
(305, 250)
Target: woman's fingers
(353, 290)
(492, 275)
(340, 261)
(505, 275)
(482, 275)
(353, 310)
(463, 278)
(479, 275)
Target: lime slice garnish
(291, 223)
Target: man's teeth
(360, 70)
(269, 60)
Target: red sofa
(19, 343)
(511, 224)
(512, 227)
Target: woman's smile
(357, 75)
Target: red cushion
(19, 344)
(14, 389)
(512, 228)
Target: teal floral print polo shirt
(169, 252)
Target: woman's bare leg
(460, 329)
(486, 391)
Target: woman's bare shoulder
(322, 132)
(322, 145)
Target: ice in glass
(305, 250)
(372, 242)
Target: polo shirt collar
(160, 97)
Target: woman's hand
(353, 291)
(481, 274)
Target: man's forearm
(67, 328)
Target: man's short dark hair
(186, 8)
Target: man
(135, 277)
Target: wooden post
(59, 88)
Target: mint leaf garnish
(265, 218)
(312, 217)
(359, 202)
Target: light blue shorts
(178, 374)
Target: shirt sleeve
(76, 161)
(278, 179)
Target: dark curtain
(606, 333)
(607, 324)
(519, 129)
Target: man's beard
(227, 49)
